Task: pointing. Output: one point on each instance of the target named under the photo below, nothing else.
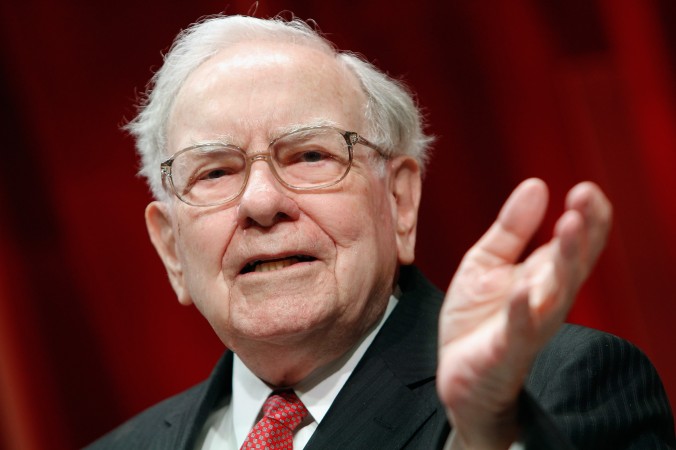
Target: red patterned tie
(282, 413)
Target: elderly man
(288, 177)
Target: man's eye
(308, 156)
(214, 174)
(312, 156)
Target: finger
(579, 236)
(521, 332)
(570, 231)
(558, 277)
(596, 210)
(517, 221)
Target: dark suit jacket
(587, 389)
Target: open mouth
(274, 264)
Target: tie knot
(286, 408)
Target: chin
(278, 328)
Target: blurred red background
(567, 90)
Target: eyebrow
(226, 139)
(229, 139)
(299, 126)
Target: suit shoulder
(585, 353)
(601, 390)
(140, 430)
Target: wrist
(494, 433)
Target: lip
(252, 263)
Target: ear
(405, 188)
(163, 237)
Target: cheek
(367, 220)
(350, 219)
(204, 239)
(360, 226)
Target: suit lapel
(184, 423)
(390, 394)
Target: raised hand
(499, 313)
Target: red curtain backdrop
(567, 90)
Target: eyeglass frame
(352, 138)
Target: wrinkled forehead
(262, 88)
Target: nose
(265, 201)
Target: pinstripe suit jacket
(587, 389)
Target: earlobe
(162, 235)
(406, 186)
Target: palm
(498, 313)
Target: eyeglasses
(306, 159)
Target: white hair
(394, 121)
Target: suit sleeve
(592, 390)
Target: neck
(287, 364)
